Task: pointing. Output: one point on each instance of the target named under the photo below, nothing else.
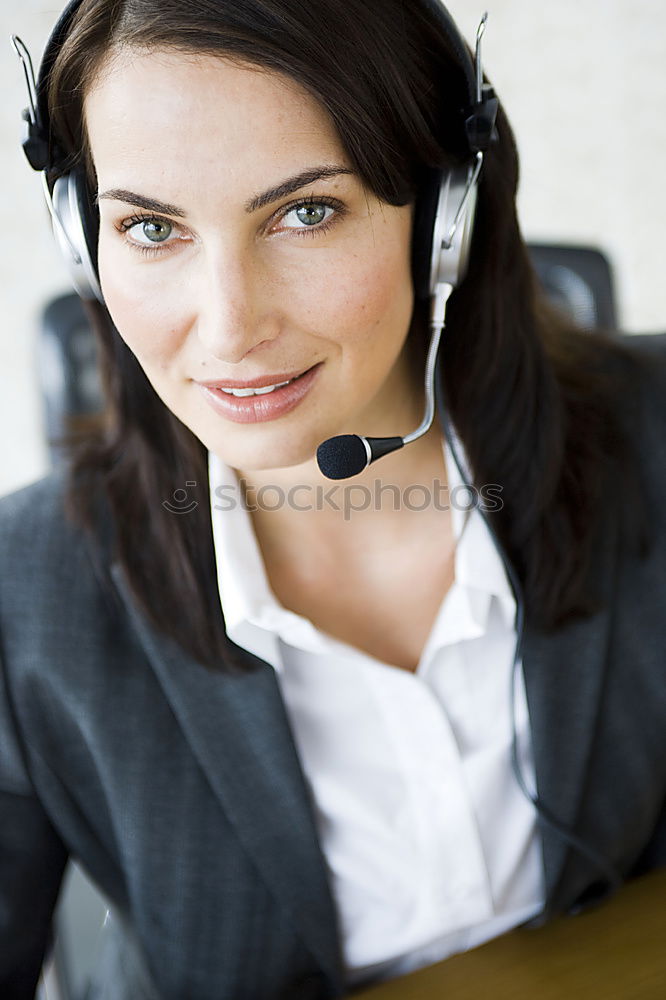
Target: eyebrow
(283, 189)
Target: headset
(442, 234)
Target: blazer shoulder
(45, 557)
(648, 345)
(32, 506)
(641, 358)
(640, 370)
(644, 356)
(34, 528)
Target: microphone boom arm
(437, 322)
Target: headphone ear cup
(438, 203)
(77, 233)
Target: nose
(235, 313)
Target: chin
(283, 452)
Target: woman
(276, 727)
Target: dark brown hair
(531, 397)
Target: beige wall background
(584, 84)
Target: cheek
(143, 315)
(374, 301)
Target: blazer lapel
(564, 675)
(563, 672)
(238, 729)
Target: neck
(393, 497)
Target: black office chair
(67, 370)
(577, 279)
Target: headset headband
(478, 117)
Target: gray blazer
(180, 791)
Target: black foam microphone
(348, 454)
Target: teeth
(255, 392)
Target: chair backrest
(579, 281)
(67, 369)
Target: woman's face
(211, 273)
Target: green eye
(156, 232)
(150, 235)
(311, 215)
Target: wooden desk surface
(616, 951)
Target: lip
(253, 383)
(258, 409)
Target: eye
(149, 234)
(312, 217)
(152, 230)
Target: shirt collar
(247, 599)
(241, 574)
(253, 616)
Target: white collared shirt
(430, 845)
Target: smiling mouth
(256, 387)
(258, 392)
(257, 403)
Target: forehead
(171, 115)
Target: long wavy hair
(532, 398)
